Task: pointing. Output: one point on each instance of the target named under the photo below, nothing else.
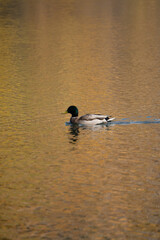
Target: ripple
(122, 122)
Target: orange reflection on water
(87, 183)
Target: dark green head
(73, 110)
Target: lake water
(60, 182)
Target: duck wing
(90, 117)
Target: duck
(87, 119)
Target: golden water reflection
(67, 182)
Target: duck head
(73, 110)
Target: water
(60, 182)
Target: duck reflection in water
(74, 132)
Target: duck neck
(74, 115)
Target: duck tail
(109, 118)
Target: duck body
(88, 119)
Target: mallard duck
(88, 118)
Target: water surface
(60, 182)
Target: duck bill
(64, 112)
